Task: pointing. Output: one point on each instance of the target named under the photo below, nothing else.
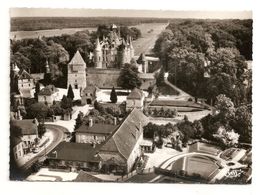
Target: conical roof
(141, 58)
(16, 69)
(98, 46)
(77, 59)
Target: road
(59, 135)
(150, 32)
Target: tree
(37, 90)
(128, 78)
(38, 110)
(243, 123)
(198, 129)
(113, 96)
(225, 107)
(66, 104)
(79, 120)
(70, 93)
(227, 138)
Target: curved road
(59, 135)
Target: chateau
(113, 51)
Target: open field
(46, 33)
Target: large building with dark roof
(117, 153)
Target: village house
(28, 132)
(17, 147)
(75, 156)
(118, 153)
(25, 82)
(135, 99)
(94, 133)
(88, 95)
(48, 94)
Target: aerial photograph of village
(130, 99)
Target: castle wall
(103, 78)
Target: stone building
(28, 133)
(118, 153)
(48, 94)
(94, 132)
(135, 99)
(113, 51)
(24, 81)
(77, 72)
(17, 147)
(88, 95)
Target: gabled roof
(77, 59)
(24, 75)
(124, 139)
(27, 127)
(141, 58)
(86, 177)
(75, 152)
(15, 141)
(135, 94)
(48, 90)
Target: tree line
(207, 58)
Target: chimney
(90, 122)
(115, 121)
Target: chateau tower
(15, 69)
(98, 57)
(142, 60)
(47, 67)
(77, 72)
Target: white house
(48, 94)
(135, 99)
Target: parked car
(35, 150)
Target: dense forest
(208, 57)
(44, 23)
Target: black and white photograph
(158, 97)
(107, 95)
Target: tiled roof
(24, 75)
(27, 126)
(81, 152)
(15, 141)
(97, 128)
(135, 94)
(86, 177)
(48, 90)
(77, 59)
(123, 140)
